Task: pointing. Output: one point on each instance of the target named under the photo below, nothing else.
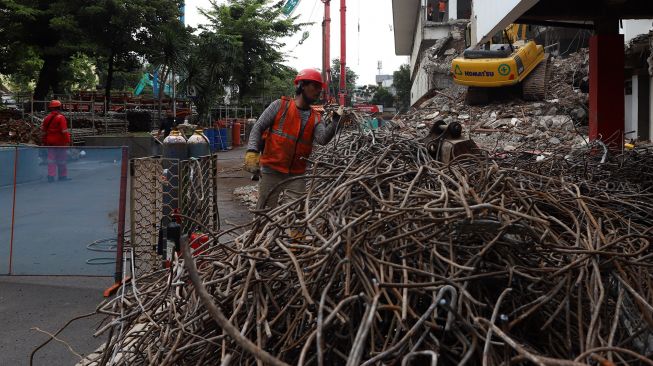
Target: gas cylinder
(196, 240)
(236, 133)
(175, 146)
(198, 145)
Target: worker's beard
(307, 99)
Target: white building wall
(424, 33)
(634, 27)
(417, 43)
(491, 16)
(420, 86)
(453, 9)
(635, 108)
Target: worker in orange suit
(442, 9)
(55, 133)
(291, 127)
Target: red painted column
(343, 52)
(326, 49)
(607, 119)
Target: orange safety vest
(442, 6)
(286, 145)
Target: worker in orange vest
(291, 127)
(442, 9)
(55, 133)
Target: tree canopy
(383, 96)
(254, 29)
(402, 84)
(350, 82)
(65, 45)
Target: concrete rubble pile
(511, 123)
(248, 195)
(640, 51)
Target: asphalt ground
(47, 303)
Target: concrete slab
(231, 176)
(48, 303)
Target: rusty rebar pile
(391, 257)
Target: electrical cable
(108, 245)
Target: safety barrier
(62, 227)
(164, 191)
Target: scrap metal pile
(392, 257)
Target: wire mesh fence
(160, 190)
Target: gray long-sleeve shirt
(322, 133)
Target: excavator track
(534, 88)
(477, 96)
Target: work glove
(251, 161)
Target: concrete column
(628, 115)
(606, 85)
(631, 109)
(643, 107)
(453, 9)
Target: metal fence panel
(160, 188)
(7, 161)
(66, 227)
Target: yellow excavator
(516, 63)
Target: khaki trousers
(269, 189)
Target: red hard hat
(54, 104)
(310, 75)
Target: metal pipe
(343, 52)
(121, 214)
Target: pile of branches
(391, 257)
(19, 131)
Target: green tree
(122, 31)
(280, 84)
(206, 71)
(169, 47)
(402, 84)
(22, 77)
(383, 96)
(367, 91)
(350, 82)
(255, 29)
(80, 71)
(48, 29)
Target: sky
(374, 42)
